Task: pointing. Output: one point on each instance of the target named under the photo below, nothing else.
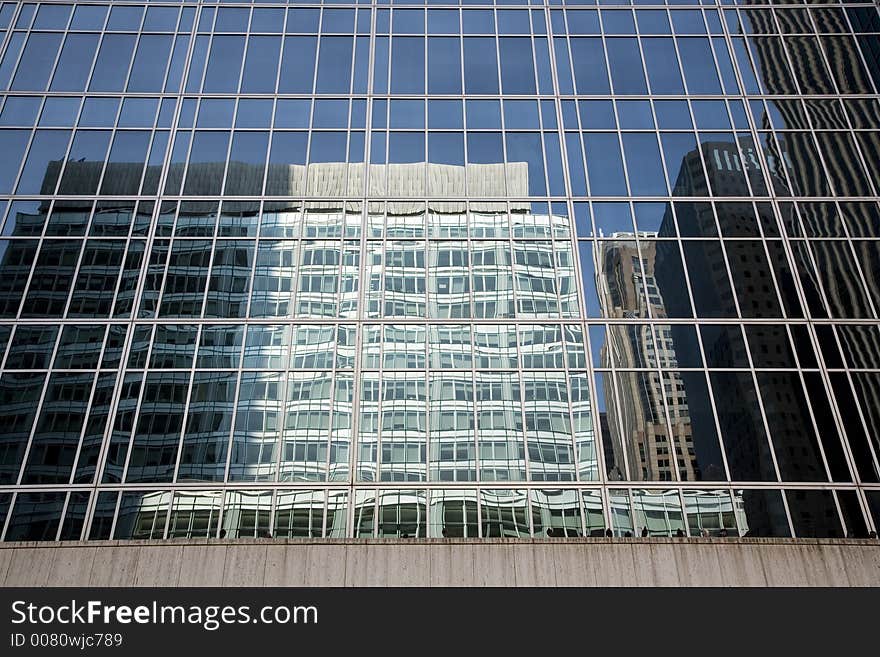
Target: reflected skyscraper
(486, 270)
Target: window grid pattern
(559, 268)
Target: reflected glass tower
(395, 269)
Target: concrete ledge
(444, 562)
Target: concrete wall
(444, 562)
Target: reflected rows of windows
(475, 149)
(736, 160)
(647, 260)
(491, 277)
(438, 402)
(563, 245)
(711, 45)
(171, 424)
(432, 513)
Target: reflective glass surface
(398, 269)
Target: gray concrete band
(444, 562)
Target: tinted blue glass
(6, 12)
(443, 21)
(12, 143)
(47, 145)
(612, 218)
(635, 114)
(616, 21)
(624, 58)
(478, 21)
(662, 66)
(483, 114)
(677, 147)
(480, 66)
(99, 112)
(206, 19)
(653, 21)
(112, 64)
(484, 147)
(52, 17)
(590, 73)
(337, 21)
(672, 114)
(75, 62)
(20, 110)
(261, 64)
(289, 148)
(649, 216)
(129, 149)
(267, 20)
(408, 21)
(207, 148)
(59, 111)
(88, 17)
(710, 114)
(334, 65)
(407, 65)
(688, 21)
(378, 147)
(188, 113)
(539, 23)
(380, 113)
(407, 114)
(446, 148)
(298, 65)
(293, 113)
(254, 113)
(232, 19)
(224, 64)
(166, 112)
(739, 114)
(576, 164)
(330, 113)
(513, 22)
(215, 113)
(445, 114)
(250, 149)
(148, 69)
(569, 115)
(584, 21)
(25, 15)
(646, 176)
(383, 21)
(138, 112)
(597, 114)
(517, 68)
(303, 21)
(563, 66)
(327, 147)
(363, 21)
(36, 62)
(604, 164)
(404, 147)
(444, 65)
(161, 19)
(526, 147)
(521, 114)
(548, 114)
(698, 65)
(124, 18)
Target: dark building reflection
(288, 416)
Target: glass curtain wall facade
(390, 269)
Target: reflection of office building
(656, 428)
(436, 400)
(372, 270)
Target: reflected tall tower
(478, 270)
